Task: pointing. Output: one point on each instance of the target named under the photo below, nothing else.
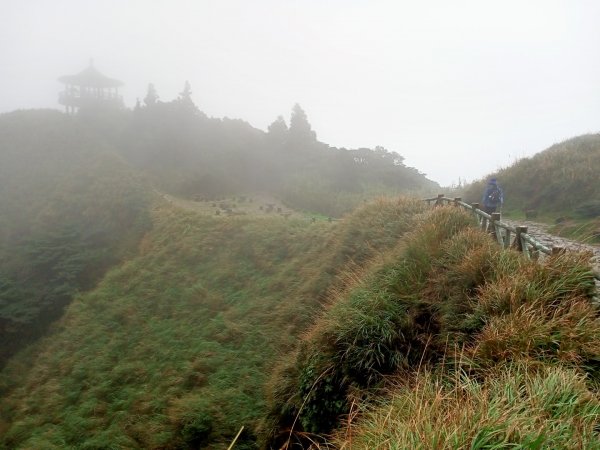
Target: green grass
(517, 406)
(173, 348)
(70, 208)
(184, 322)
(447, 298)
(396, 327)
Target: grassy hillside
(395, 327)
(173, 348)
(558, 183)
(561, 178)
(73, 203)
(448, 342)
(70, 207)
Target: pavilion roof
(90, 77)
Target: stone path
(540, 232)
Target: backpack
(494, 196)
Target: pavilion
(89, 88)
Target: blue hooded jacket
(487, 199)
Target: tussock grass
(380, 325)
(541, 311)
(516, 406)
(447, 299)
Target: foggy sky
(459, 88)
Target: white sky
(459, 88)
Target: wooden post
(518, 242)
(494, 229)
(524, 245)
(439, 201)
(507, 238)
(475, 207)
(456, 200)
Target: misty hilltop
(75, 189)
(562, 179)
(458, 88)
(78, 196)
(187, 153)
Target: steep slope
(173, 348)
(70, 207)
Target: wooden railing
(506, 235)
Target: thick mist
(458, 89)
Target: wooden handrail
(501, 231)
(522, 240)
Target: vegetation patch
(446, 299)
(70, 208)
(515, 406)
(173, 348)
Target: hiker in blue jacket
(492, 197)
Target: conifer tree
(300, 129)
(186, 94)
(278, 130)
(151, 96)
(185, 99)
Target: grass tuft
(513, 406)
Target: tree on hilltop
(151, 96)
(186, 94)
(278, 130)
(300, 130)
(185, 97)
